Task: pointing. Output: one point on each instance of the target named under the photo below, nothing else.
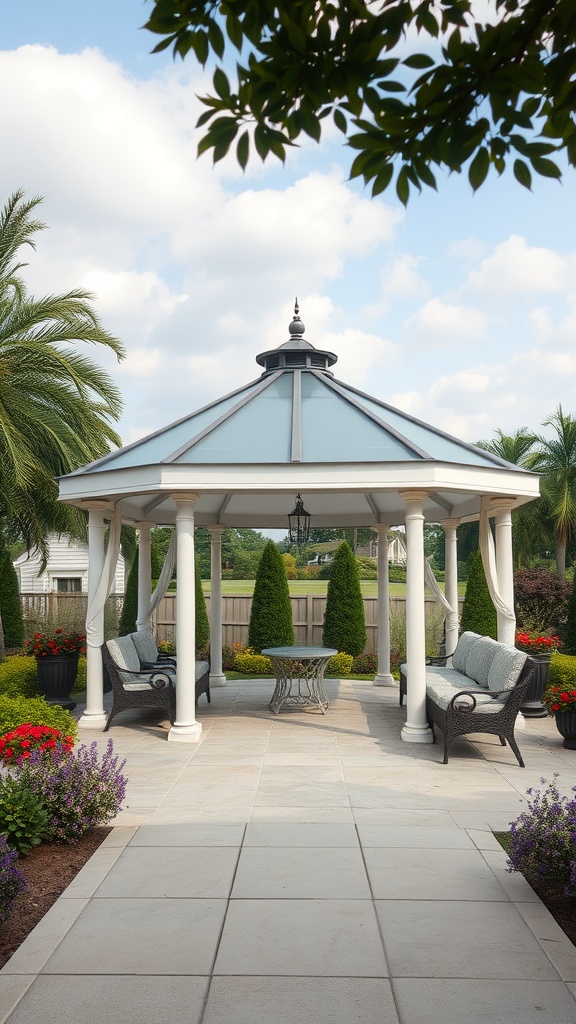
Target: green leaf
(221, 84)
(479, 168)
(419, 61)
(522, 174)
(243, 150)
(547, 168)
(382, 180)
(340, 121)
(403, 187)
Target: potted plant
(560, 701)
(57, 654)
(540, 648)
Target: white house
(66, 570)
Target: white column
(504, 566)
(384, 676)
(416, 729)
(94, 716)
(451, 582)
(217, 677)
(185, 729)
(144, 576)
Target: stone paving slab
(303, 867)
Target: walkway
(299, 868)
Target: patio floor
(296, 868)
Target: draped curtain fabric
(488, 552)
(106, 582)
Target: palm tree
(529, 526)
(556, 458)
(57, 407)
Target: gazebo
(241, 460)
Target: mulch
(48, 870)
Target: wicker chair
(134, 688)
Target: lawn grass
(300, 588)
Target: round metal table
(299, 673)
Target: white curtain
(488, 552)
(106, 583)
(165, 575)
(431, 583)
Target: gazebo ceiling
(297, 428)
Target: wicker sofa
(136, 686)
(480, 692)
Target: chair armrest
(158, 680)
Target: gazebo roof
(298, 428)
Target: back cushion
(480, 658)
(145, 647)
(506, 667)
(462, 649)
(124, 653)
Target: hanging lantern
(299, 523)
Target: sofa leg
(502, 741)
(445, 761)
(516, 750)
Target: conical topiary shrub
(202, 623)
(10, 603)
(478, 612)
(271, 615)
(344, 621)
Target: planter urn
(56, 678)
(533, 706)
(566, 725)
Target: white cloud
(516, 267)
(401, 280)
(439, 323)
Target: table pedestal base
(299, 682)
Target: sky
(460, 310)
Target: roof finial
(296, 327)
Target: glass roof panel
(334, 431)
(259, 432)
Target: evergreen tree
(271, 615)
(478, 612)
(130, 606)
(202, 623)
(344, 621)
(10, 603)
(570, 628)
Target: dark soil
(48, 870)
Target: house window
(68, 585)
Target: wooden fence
(307, 616)
(69, 611)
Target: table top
(299, 652)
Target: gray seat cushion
(462, 650)
(480, 657)
(442, 693)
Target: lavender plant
(11, 881)
(543, 839)
(80, 790)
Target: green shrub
(562, 671)
(541, 599)
(18, 677)
(202, 623)
(229, 654)
(365, 664)
(17, 710)
(23, 815)
(397, 573)
(271, 613)
(478, 612)
(253, 664)
(344, 622)
(10, 603)
(367, 567)
(339, 665)
(570, 628)
(130, 607)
